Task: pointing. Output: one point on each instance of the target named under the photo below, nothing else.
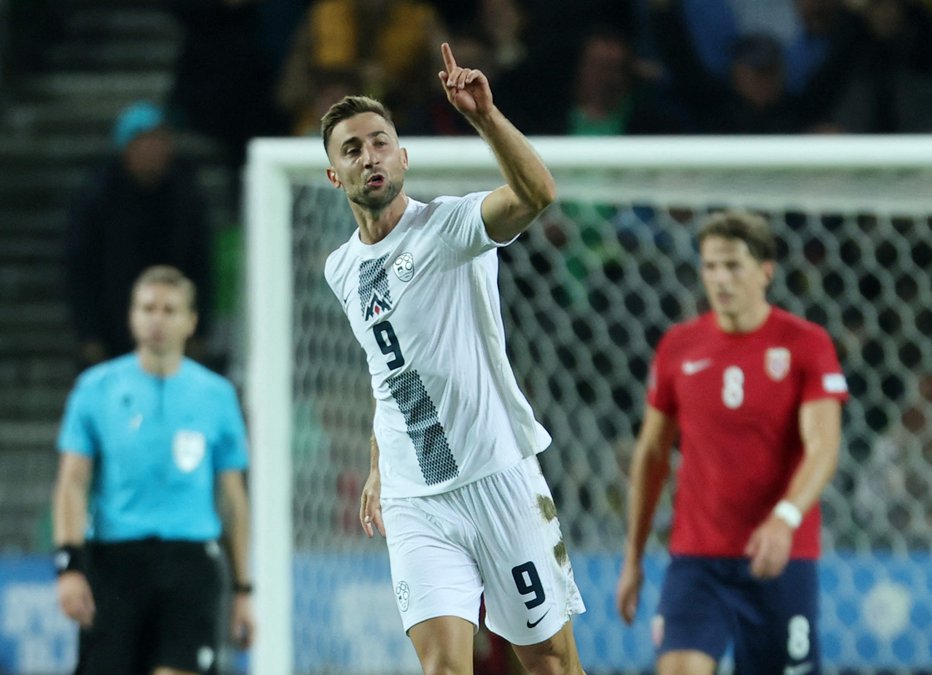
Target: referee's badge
(404, 267)
(188, 449)
(777, 363)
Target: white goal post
(764, 173)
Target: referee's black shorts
(158, 604)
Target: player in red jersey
(752, 396)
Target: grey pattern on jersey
(374, 295)
(434, 456)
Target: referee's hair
(745, 226)
(168, 276)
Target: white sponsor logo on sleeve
(834, 383)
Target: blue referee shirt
(157, 444)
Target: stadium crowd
(589, 67)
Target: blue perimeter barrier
(876, 613)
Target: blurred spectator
(140, 209)
(541, 84)
(806, 30)
(754, 100)
(609, 93)
(821, 45)
(279, 18)
(390, 44)
(887, 84)
(224, 78)
(712, 26)
(499, 25)
(895, 487)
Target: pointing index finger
(449, 63)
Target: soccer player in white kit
(454, 483)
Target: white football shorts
(499, 536)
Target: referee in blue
(152, 454)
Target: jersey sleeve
(231, 452)
(661, 392)
(332, 271)
(462, 225)
(77, 432)
(822, 374)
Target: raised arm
(650, 467)
(529, 187)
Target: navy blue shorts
(707, 604)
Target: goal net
(586, 293)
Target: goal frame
(270, 167)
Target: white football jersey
(424, 305)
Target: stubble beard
(374, 202)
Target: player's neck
(374, 226)
(744, 322)
(160, 365)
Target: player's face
(735, 281)
(161, 319)
(367, 161)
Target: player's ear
(332, 177)
(768, 268)
(404, 158)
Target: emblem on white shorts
(188, 449)
(777, 363)
(403, 594)
(404, 266)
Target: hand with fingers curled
(769, 548)
(370, 506)
(628, 590)
(466, 88)
(75, 598)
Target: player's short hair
(347, 107)
(167, 276)
(744, 226)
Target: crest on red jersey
(777, 363)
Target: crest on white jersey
(377, 304)
(188, 449)
(404, 267)
(777, 363)
(374, 293)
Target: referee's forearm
(69, 514)
(236, 525)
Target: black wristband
(69, 558)
(243, 587)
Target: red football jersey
(736, 398)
